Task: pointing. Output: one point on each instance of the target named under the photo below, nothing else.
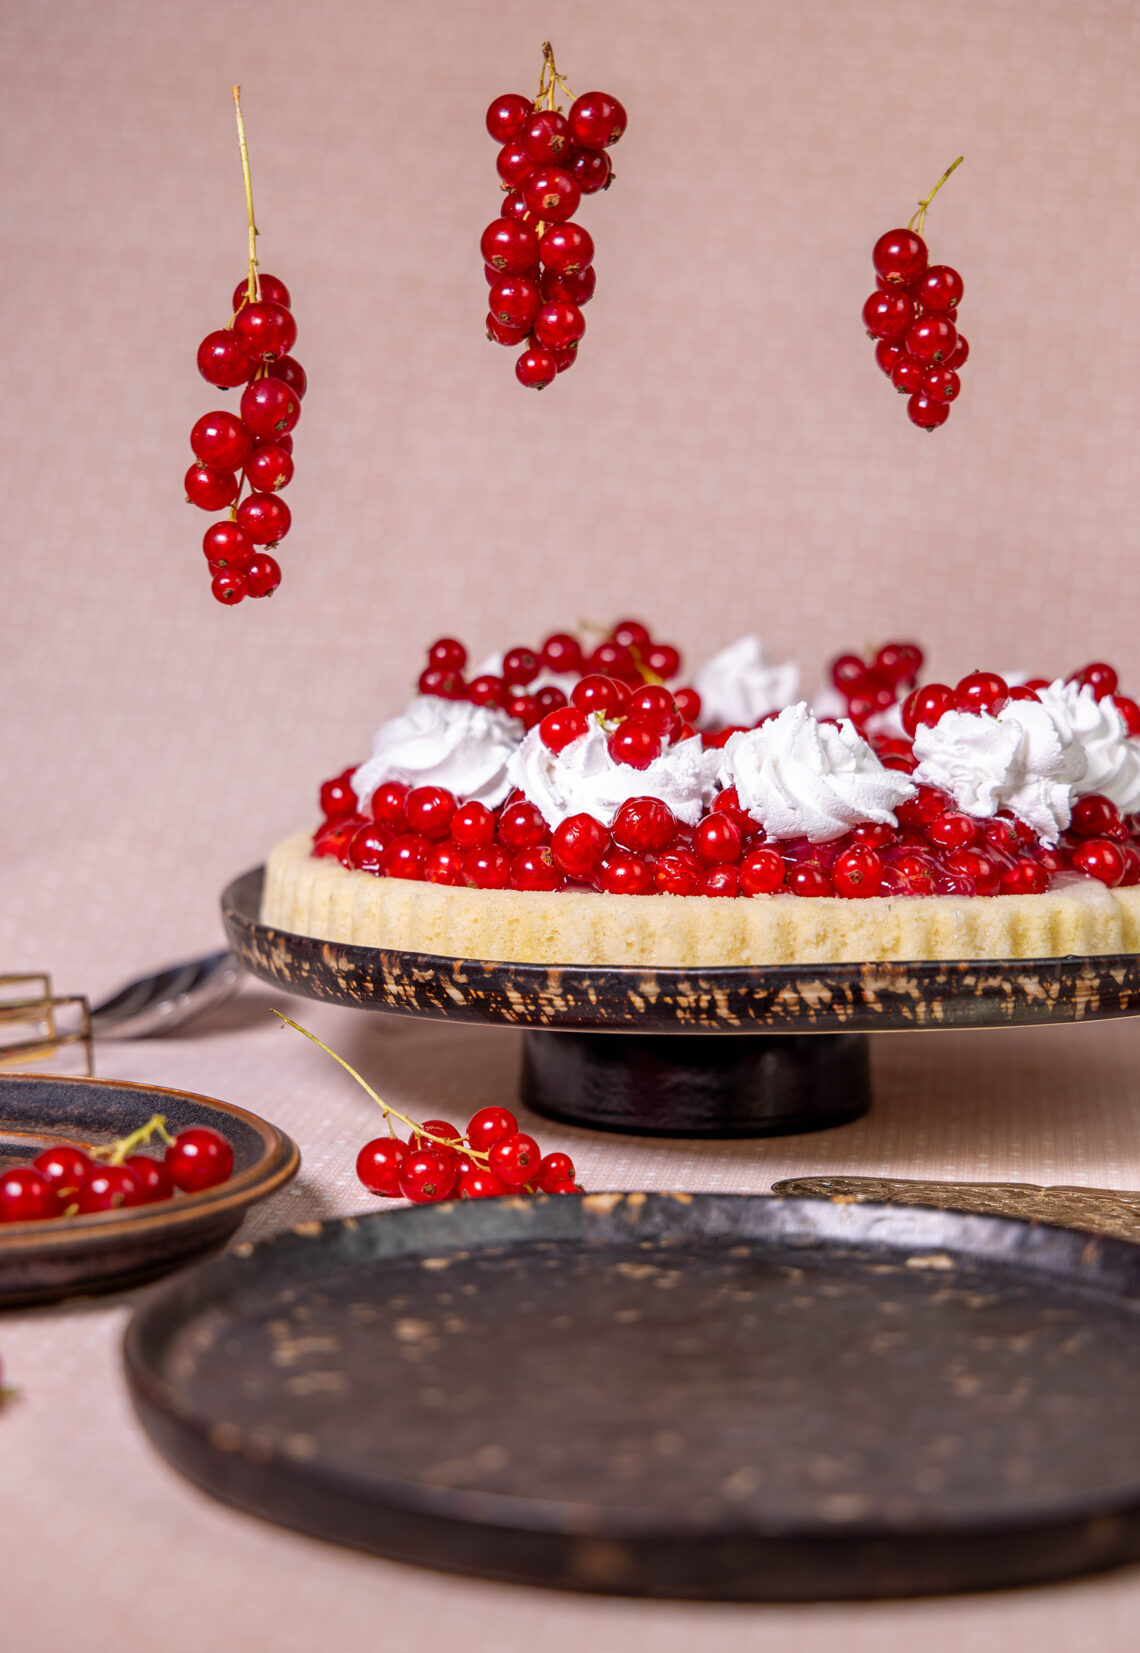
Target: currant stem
(919, 218)
(117, 1151)
(389, 1113)
(550, 82)
(254, 281)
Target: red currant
(761, 872)
(378, 1165)
(265, 518)
(561, 652)
(1095, 816)
(220, 441)
(222, 361)
(487, 868)
(545, 136)
(592, 169)
(520, 665)
(478, 1184)
(550, 699)
(199, 1158)
(367, 848)
(26, 1195)
(514, 206)
(472, 826)
(942, 383)
(939, 289)
(490, 1125)
(65, 1168)
(534, 869)
(515, 1159)
(498, 333)
(983, 871)
(849, 673)
(486, 691)
(291, 373)
(718, 839)
(931, 338)
(1024, 878)
(447, 653)
(110, 1187)
(443, 864)
(1100, 678)
(959, 353)
(887, 354)
(552, 194)
(926, 705)
(635, 743)
(334, 838)
(596, 120)
(263, 575)
(229, 587)
(521, 826)
(595, 693)
(808, 879)
(270, 408)
(899, 256)
(908, 375)
(721, 880)
(510, 247)
(269, 468)
(444, 684)
(389, 805)
(272, 291)
(577, 845)
(888, 315)
(678, 872)
(430, 810)
(926, 411)
(513, 164)
(155, 1180)
(226, 546)
(559, 325)
(858, 872)
(1129, 711)
(426, 1175)
(625, 875)
(535, 368)
(210, 490)
(644, 824)
(265, 331)
(559, 729)
(405, 857)
(953, 831)
(515, 301)
(981, 692)
(507, 116)
(566, 248)
(553, 1169)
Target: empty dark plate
(112, 1249)
(679, 1395)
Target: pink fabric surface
(725, 455)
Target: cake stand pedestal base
(698, 1084)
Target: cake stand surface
(646, 1051)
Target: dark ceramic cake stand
(734, 1051)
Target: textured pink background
(724, 455)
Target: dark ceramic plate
(667, 1394)
(112, 1249)
(775, 1075)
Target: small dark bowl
(109, 1250)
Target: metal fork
(167, 999)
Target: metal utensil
(167, 999)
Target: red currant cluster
(627, 655)
(252, 351)
(912, 315)
(65, 1179)
(538, 262)
(440, 1162)
(874, 685)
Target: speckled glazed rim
(811, 998)
(279, 1162)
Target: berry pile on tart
(579, 803)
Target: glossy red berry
(808, 879)
(447, 685)
(939, 289)
(110, 1187)
(333, 838)
(487, 691)
(220, 440)
(722, 880)
(264, 518)
(262, 574)
(514, 1159)
(552, 194)
(559, 325)
(908, 374)
(663, 660)
(941, 383)
(509, 246)
(595, 693)
(899, 256)
(65, 1168)
(718, 840)
(545, 136)
(507, 115)
(1102, 679)
(1095, 816)
(1129, 711)
(849, 674)
(982, 692)
(367, 848)
(514, 206)
(499, 333)
(926, 411)
(678, 872)
(561, 653)
(623, 874)
(858, 872)
(513, 164)
(534, 869)
(591, 169)
(554, 1169)
(596, 120)
(981, 870)
(270, 408)
(888, 315)
(635, 743)
(897, 663)
(644, 824)
(887, 354)
(226, 546)
(520, 665)
(472, 826)
(559, 729)
(954, 831)
(430, 810)
(578, 845)
(405, 857)
(26, 1195)
(443, 864)
(958, 355)
(490, 1125)
(521, 825)
(229, 586)
(565, 247)
(291, 373)
(478, 1184)
(154, 1178)
(487, 868)
(378, 1165)
(761, 871)
(265, 331)
(535, 368)
(222, 361)
(210, 490)
(199, 1158)
(926, 705)
(447, 653)
(427, 1175)
(515, 301)
(931, 338)
(271, 290)
(269, 468)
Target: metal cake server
(168, 998)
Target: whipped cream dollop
(1112, 756)
(800, 778)
(438, 742)
(1023, 760)
(583, 779)
(740, 685)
